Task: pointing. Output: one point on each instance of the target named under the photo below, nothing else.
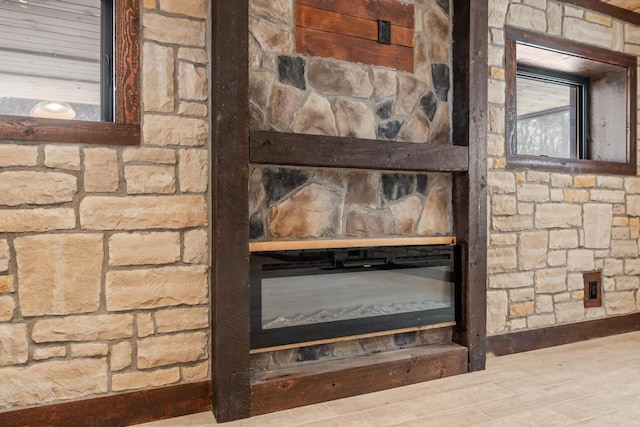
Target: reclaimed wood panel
(336, 379)
(290, 245)
(348, 31)
(127, 62)
(332, 22)
(277, 148)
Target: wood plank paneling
(230, 213)
(117, 410)
(393, 11)
(319, 43)
(323, 381)
(268, 147)
(517, 342)
(127, 62)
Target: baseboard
(323, 381)
(117, 410)
(518, 342)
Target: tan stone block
(516, 324)
(36, 188)
(576, 195)
(5, 256)
(416, 129)
(575, 281)
(584, 181)
(554, 18)
(632, 185)
(196, 247)
(137, 380)
(558, 215)
(538, 176)
(612, 182)
(7, 308)
(551, 280)
(385, 82)
(55, 380)
(192, 82)
(496, 73)
(544, 304)
(149, 4)
(533, 193)
(563, 239)
(437, 218)
(149, 155)
(18, 155)
(631, 266)
(62, 157)
(624, 248)
(511, 280)
(512, 223)
(157, 287)
(609, 196)
(199, 56)
(570, 312)
(633, 205)
(497, 308)
(193, 109)
(7, 284)
(541, 320)
(172, 30)
(145, 325)
(501, 182)
(634, 227)
(619, 209)
(614, 267)
(627, 283)
(14, 347)
(144, 248)
(557, 258)
(497, 12)
(617, 303)
(37, 220)
(194, 170)
(91, 349)
(556, 195)
(597, 18)
(503, 205)
(496, 117)
(182, 319)
(158, 67)
(501, 260)
(521, 309)
(147, 179)
(620, 233)
(283, 105)
(83, 328)
(578, 295)
(121, 356)
(597, 225)
(525, 208)
(174, 130)
(316, 117)
(50, 352)
(496, 91)
(59, 273)
(198, 372)
(344, 79)
(143, 212)
(505, 239)
(561, 180)
(355, 119)
(271, 38)
(579, 30)
(620, 221)
(521, 295)
(193, 8)
(528, 17)
(170, 349)
(495, 146)
(580, 260)
(101, 170)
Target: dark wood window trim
(125, 129)
(517, 35)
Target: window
(569, 106)
(68, 71)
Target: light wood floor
(593, 383)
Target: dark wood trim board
(117, 410)
(518, 342)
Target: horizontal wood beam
(290, 149)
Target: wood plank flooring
(591, 383)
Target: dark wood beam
(291, 149)
(607, 9)
(518, 342)
(469, 189)
(230, 215)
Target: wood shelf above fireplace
(293, 245)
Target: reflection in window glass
(50, 52)
(544, 118)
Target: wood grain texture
(268, 147)
(127, 62)
(352, 26)
(607, 9)
(393, 11)
(117, 410)
(34, 129)
(288, 245)
(323, 381)
(320, 43)
(469, 189)
(518, 342)
(230, 216)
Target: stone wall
(104, 250)
(547, 229)
(290, 92)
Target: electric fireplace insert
(310, 295)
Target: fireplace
(309, 295)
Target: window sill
(554, 164)
(29, 129)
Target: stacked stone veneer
(312, 95)
(547, 229)
(103, 250)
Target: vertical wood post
(230, 213)
(470, 74)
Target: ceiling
(633, 5)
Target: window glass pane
(50, 53)
(544, 118)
